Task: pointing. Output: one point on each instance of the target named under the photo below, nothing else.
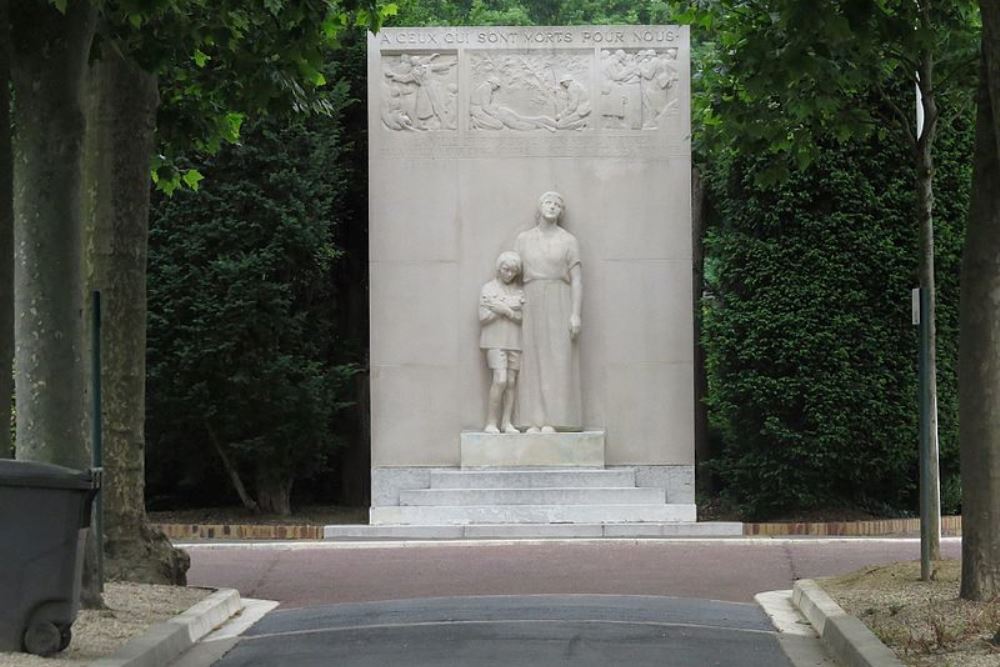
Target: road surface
(673, 603)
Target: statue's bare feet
(510, 428)
(532, 429)
(491, 428)
(548, 429)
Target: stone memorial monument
(545, 171)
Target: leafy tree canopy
(217, 62)
(527, 12)
(780, 75)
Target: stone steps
(498, 514)
(534, 531)
(531, 479)
(534, 496)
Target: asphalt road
(724, 569)
(583, 631)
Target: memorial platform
(533, 478)
(504, 531)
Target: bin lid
(47, 476)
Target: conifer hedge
(245, 364)
(807, 327)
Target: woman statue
(549, 398)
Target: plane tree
(102, 91)
(979, 337)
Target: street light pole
(930, 478)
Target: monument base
(533, 450)
(521, 494)
(430, 515)
(386, 531)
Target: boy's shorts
(508, 359)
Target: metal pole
(930, 480)
(930, 490)
(96, 429)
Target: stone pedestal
(533, 450)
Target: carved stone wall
(467, 127)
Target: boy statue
(500, 305)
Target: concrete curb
(849, 640)
(165, 642)
(784, 616)
(796, 635)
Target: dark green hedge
(807, 327)
(243, 347)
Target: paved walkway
(304, 574)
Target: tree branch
(910, 66)
(948, 70)
(904, 120)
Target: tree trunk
(979, 338)
(274, 494)
(231, 470)
(121, 122)
(6, 239)
(49, 57)
(925, 215)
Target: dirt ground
(131, 610)
(713, 508)
(317, 515)
(925, 623)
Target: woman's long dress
(549, 384)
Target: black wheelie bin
(44, 515)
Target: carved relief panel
(529, 91)
(637, 88)
(600, 89)
(420, 92)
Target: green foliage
(782, 76)
(242, 343)
(535, 12)
(811, 353)
(218, 62)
